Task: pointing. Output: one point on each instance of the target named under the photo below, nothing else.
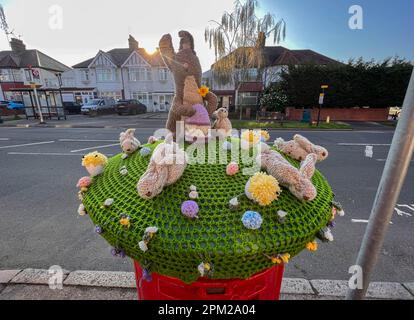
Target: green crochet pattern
(218, 236)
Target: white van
(96, 105)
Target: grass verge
(248, 124)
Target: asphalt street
(39, 226)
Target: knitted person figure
(198, 125)
(183, 64)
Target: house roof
(32, 57)
(278, 55)
(120, 55)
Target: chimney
(133, 44)
(17, 45)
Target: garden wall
(341, 114)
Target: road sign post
(389, 189)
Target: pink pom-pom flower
(84, 182)
(232, 169)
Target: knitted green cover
(218, 236)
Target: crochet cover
(218, 235)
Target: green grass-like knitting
(218, 236)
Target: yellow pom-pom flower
(312, 246)
(203, 91)
(94, 159)
(285, 257)
(265, 135)
(263, 189)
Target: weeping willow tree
(238, 41)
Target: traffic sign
(325, 86)
(321, 96)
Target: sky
(88, 26)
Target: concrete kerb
(292, 288)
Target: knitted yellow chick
(94, 163)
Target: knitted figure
(94, 163)
(166, 166)
(129, 143)
(183, 64)
(198, 125)
(297, 181)
(300, 147)
(222, 124)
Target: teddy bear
(300, 147)
(166, 166)
(183, 64)
(222, 123)
(298, 181)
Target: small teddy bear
(222, 124)
(166, 166)
(300, 147)
(297, 181)
(129, 143)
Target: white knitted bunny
(129, 143)
(166, 166)
(300, 147)
(297, 181)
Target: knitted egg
(190, 209)
(232, 169)
(145, 152)
(252, 220)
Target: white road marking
(4, 139)
(46, 154)
(86, 140)
(364, 144)
(96, 147)
(383, 160)
(403, 213)
(26, 144)
(369, 151)
(363, 221)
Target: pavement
(37, 284)
(40, 227)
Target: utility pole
(321, 98)
(389, 189)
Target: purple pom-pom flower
(98, 229)
(190, 209)
(252, 220)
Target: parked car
(130, 107)
(4, 103)
(72, 107)
(15, 105)
(95, 106)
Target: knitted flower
(232, 169)
(82, 210)
(281, 216)
(98, 229)
(203, 91)
(190, 209)
(204, 268)
(84, 183)
(262, 188)
(264, 135)
(312, 246)
(108, 203)
(252, 220)
(145, 152)
(125, 221)
(234, 204)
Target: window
(140, 74)
(143, 97)
(68, 82)
(248, 98)
(111, 94)
(163, 74)
(28, 75)
(85, 75)
(105, 75)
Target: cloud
(90, 25)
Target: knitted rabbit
(300, 147)
(297, 181)
(129, 143)
(166, 166)
(222, 124)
